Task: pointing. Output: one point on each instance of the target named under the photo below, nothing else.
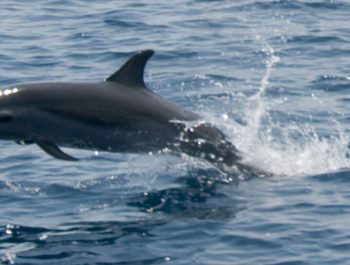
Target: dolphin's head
(13, 116)
(6, 124)
(10, 127)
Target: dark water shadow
(200, 194)
(202, 199)
(80, 243)
(335, 177)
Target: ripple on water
(272, 74)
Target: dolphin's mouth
(5, 116)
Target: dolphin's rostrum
(119, 114)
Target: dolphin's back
(119, 114)
(101, 102)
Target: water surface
(273, 75)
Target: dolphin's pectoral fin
(131, 73)
(53, 150)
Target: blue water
(273, 75)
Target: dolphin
(118, 114)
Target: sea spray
(282, 145)
(288, 148)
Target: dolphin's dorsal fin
(52, 149)
(131, 73)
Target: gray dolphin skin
(119, 114)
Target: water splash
(288, 148)
(258, 107)
(291, 148)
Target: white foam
(273, 146)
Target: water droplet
(225, 116)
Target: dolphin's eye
(5, 116)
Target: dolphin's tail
(208, 142)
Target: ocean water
(273, 75)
